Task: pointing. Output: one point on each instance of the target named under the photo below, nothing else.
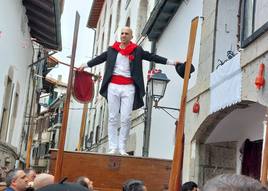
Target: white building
(21, 23)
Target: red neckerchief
(126, 51)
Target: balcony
(42, 162)
(45, 137)
(35, 138)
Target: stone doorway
(221, 136)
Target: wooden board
(109, 172)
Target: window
(6, 109)
(248, 18)
(13, 119)
(97, 134)
(100, 122)
(100, 117)
(98, 31)
(104, 15)
(254, 20)
(128, 22)
(102, 42)
(127, 3)
(142, 17)
(94, 120)
(118, 12)
(109, 30)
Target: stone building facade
(232, 108)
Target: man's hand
(82, 67)
(178, 62)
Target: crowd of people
(29, 180)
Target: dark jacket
(8, 189)
(135, 69)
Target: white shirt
(122, 66)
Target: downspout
(31, 72)
(215, 35)
(148, 111)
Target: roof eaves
(95, 12)
(160, 17)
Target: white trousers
(120, 103)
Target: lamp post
(157, 86)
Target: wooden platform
(109, 172)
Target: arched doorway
(230, 141)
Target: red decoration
(260, 81)
(83, 87)
(196, 106)
(131, 57)
(152, 72)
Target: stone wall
(215, 159)
(8, 158)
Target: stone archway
(221, 135)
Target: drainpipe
(31, 75)
(215, 35)
(148, 112)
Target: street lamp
(157, 86)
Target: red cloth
(126, 51)
(83, 87)
(121, 80)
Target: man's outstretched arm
(158, 59)
(95, 61)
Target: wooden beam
(29, 145)
(176, 170)
(59, 162)
(264, 163)
(83, 127)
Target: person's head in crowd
(189, 186)
(42, 180)
(233, 182)
(84, 181)
(17, 180)
(134, 185)
(30, 173)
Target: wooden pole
(264, 164)
(176, 169)
(83, 127)
(29, 146)
(59, 161)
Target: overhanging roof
(44, 21)
(95, 13)
(160, 17)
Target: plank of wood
(109, 172)
(59, 162)
(264, 164)
(176, 170)
(82, 128)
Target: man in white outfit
(123, 85)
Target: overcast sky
(85, 36)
